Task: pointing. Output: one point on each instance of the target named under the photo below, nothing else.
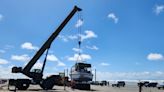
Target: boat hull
(81, 76)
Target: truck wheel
(46, 85)
(22, 86)
(83, 86)
(49, 82)
(87, 86)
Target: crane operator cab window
(36, 70)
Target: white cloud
(7, 47)
(3, 61)
(64, 38)
(61, 63)
(155, 56)
(29, 46)
(2, 51)
(137, 63)
(23, 57)
(159, 9)
(79, 23)
(76, 57)
(88, 34)
(5, 73)
(92, 47)
(77, 49)
(73, 37)
(113, 17)
(1, 17)
(52, 57)
(38, 65)
(104, 64)
(67, 38)
(145, 75)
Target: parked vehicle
(143, 83)
(119, 84)
(151, 84)
(103, 83)
(2, 81)
(95, 83)
(160, 86)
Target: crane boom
(47, 44)
(37, 75)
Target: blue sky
(122, 39)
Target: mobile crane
(36, 75)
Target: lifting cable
(45, 59)
(79, 58)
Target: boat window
(87, 69)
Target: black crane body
(37, 75)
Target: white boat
(81, 72)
